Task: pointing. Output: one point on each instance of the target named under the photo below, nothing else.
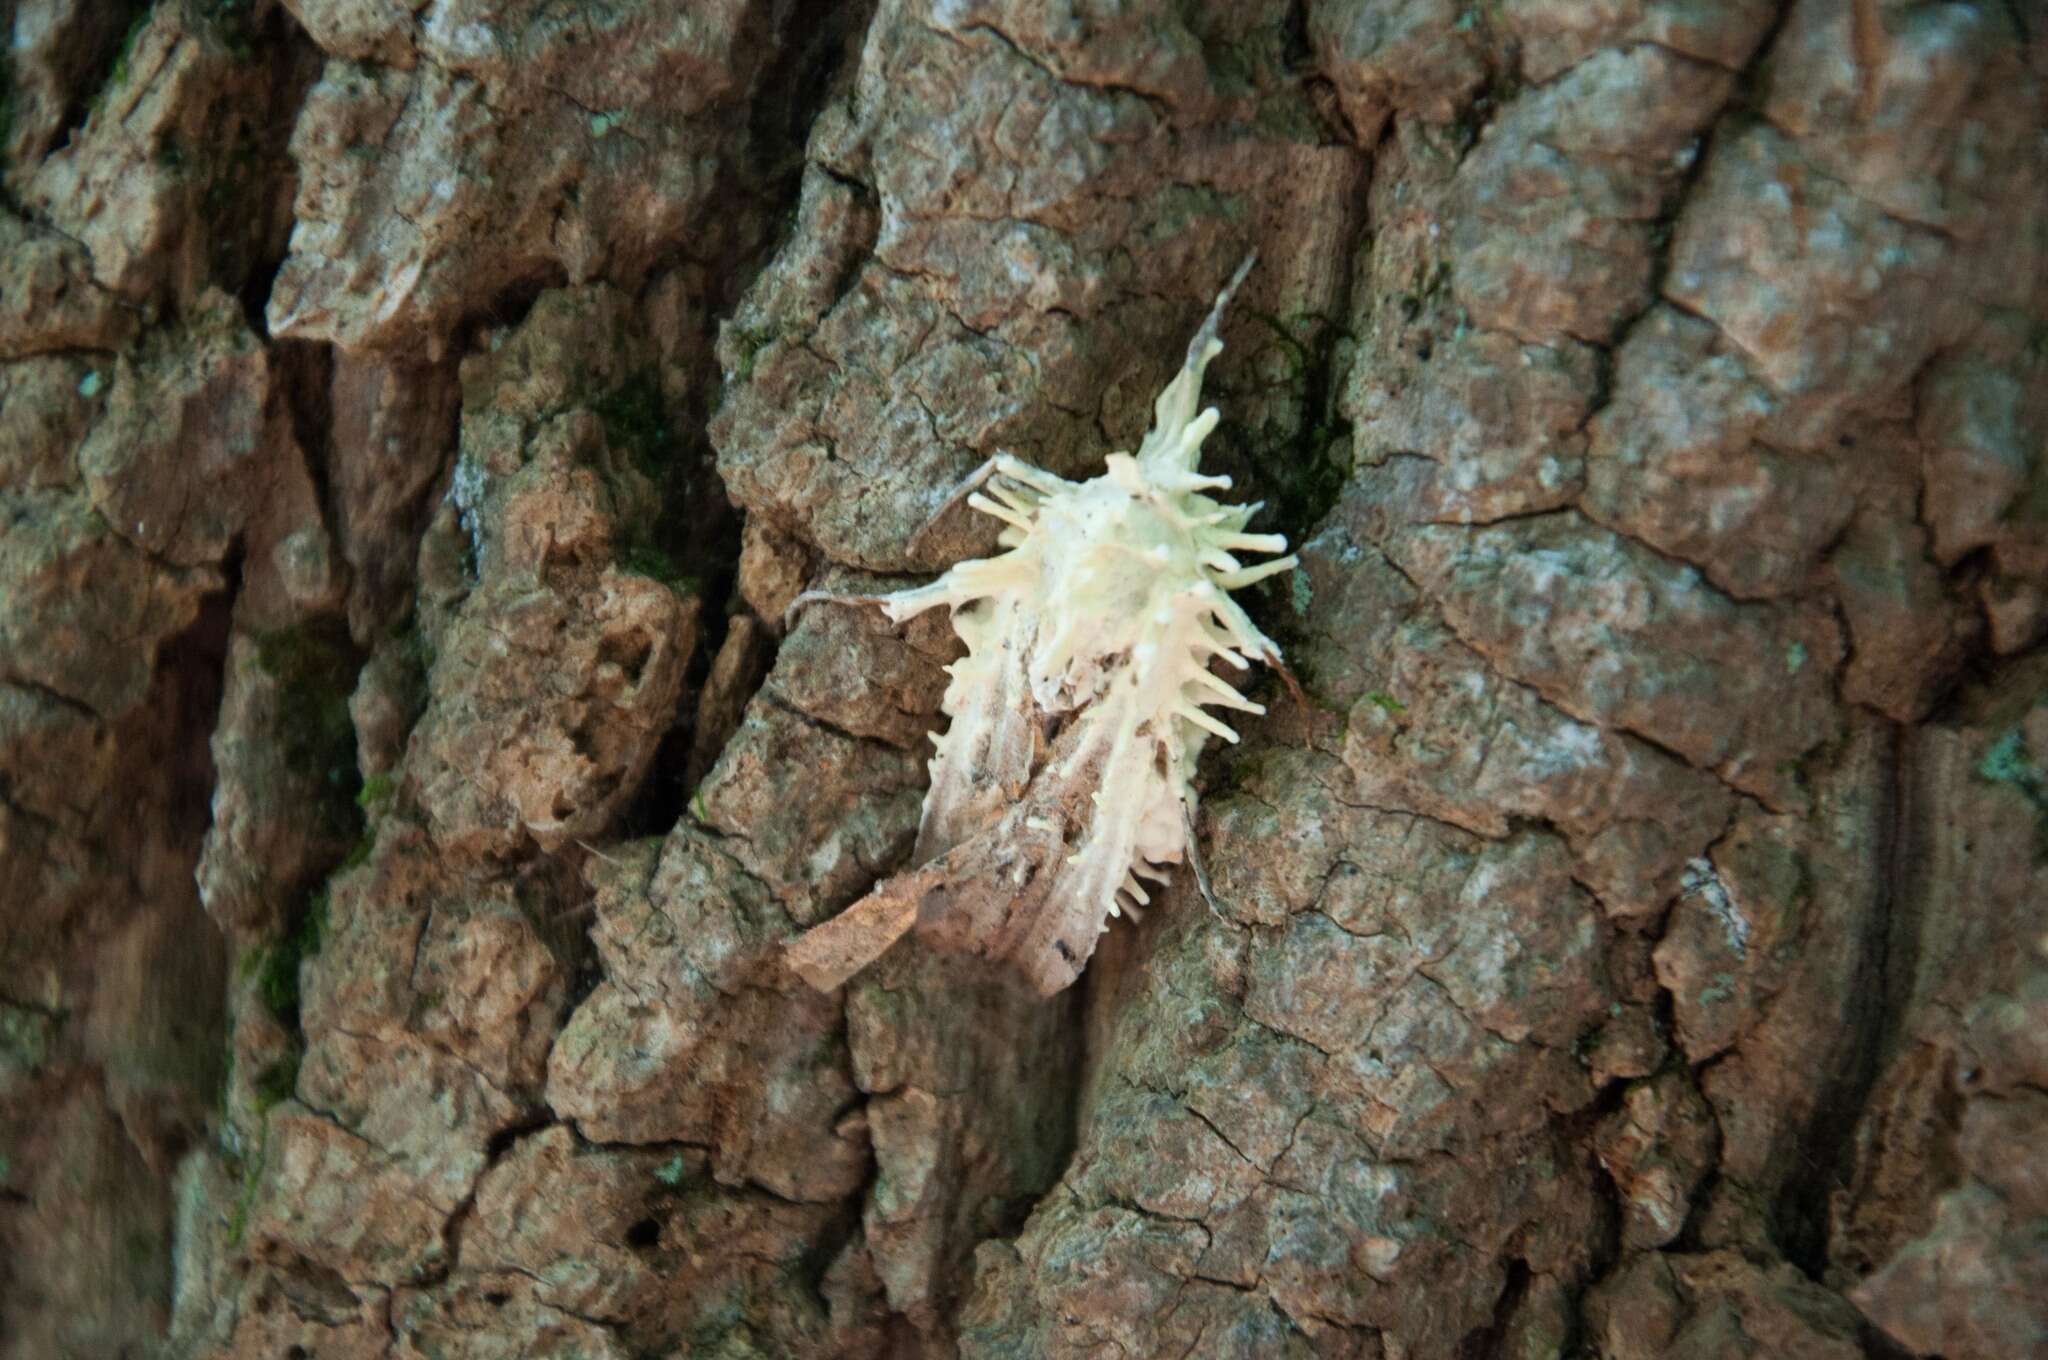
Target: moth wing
(983, 762)
(1014, 889)
(1053, 942)
(979, 842)
(829, 953)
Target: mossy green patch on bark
(26, 1035)
(636, 422)
(2008, 760)
(275, 966)
(315, 667)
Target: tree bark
(416, 419)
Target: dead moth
(1080, 709)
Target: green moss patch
(636, 422)
(315, 668)
(276, 966)
(2009, 761)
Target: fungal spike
(1213, 726)
(1198, 429)
(1225, 694)
(1212, 646)
(1245, 576)
(1006, 514)
(1037, 478)
(1026, 506)
(1237, 626)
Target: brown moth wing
(958, 901)
(1031, 886)
(1034, 886)
(981, 896)
(1053, 941)
(981, 776)
(1000, 875)
(828, 954)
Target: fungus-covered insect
(1079, 710)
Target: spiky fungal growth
(1081, 706)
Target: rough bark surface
(416, 416)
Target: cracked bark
(1624, 944)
